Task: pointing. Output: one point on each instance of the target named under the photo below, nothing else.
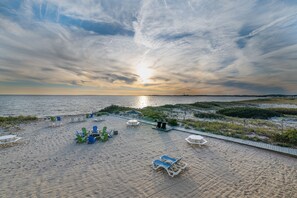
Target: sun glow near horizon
(144, 72)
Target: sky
(149, 47)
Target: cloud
(200, 46)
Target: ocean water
(41, 106)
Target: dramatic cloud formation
(148, 47)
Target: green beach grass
(6, 122)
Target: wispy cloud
(195, 46)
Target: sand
(48, 163)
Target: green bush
(10, 121)
(288, 137)
(101, 114)
(153, 113)
(172, 122)
(288, 111)
(208, 115)
(249, 112)
(114, 109)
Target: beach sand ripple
(48, 163)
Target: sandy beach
(48, 163)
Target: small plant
(172, 122)
(288, 137)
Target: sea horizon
(48, 105)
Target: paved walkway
(284, 150)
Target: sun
(144, 72)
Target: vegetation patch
(288, 137)
(206, 105)
(249, 112)
(172, 122)
(288, 111)
(6, 122)
(115, 109)
(272, 100)
(153, 113)
(208, 115)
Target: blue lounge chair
(95, 129)
(91, 139)
(59, 119)
(171, 170)
(176, 162)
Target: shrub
(10, 121)
(153, 113)
(208, 115)
(288, 137)
(249, 112)
(114, 109)
(172, 122)
(101, 113)
(288, 111)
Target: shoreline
(203, 116)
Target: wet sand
(48, 163)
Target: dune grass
(208, 115)
(272, 100)
(287, 111)
(249, 112)
(6, 122)
(272, 135)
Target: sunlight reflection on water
(72, 105)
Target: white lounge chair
(133, 123)
(171, 170)
(7, 139)
(196, 139)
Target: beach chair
(104, 134)
(53, 121)
(159, 124)
(95, 129)
(84, 131)
(176, 162)
(104, 137)
(171, 170)
(91, 139)
(80, 138)
(59, 121)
